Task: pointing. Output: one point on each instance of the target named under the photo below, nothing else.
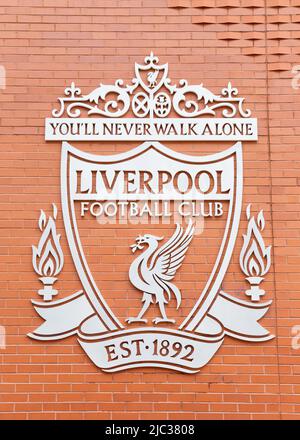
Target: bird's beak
(137, 244)
(134, 247)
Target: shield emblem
(151, 76)
(83, 176)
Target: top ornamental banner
(151, 108)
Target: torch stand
(48, 292)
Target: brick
(179, 3)
(229, 35)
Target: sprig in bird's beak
(138, 244)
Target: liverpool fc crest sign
(152, 228)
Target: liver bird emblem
(152, 78)
(152, 271)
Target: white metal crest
(152, 109)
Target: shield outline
(140, 67)
(211, 289)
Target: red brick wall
(47, 44)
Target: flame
(47, 258)
(255, 258)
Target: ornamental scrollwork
(151, 95)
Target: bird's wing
(153, 75)
(169, 257)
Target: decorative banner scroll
(151, 346)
